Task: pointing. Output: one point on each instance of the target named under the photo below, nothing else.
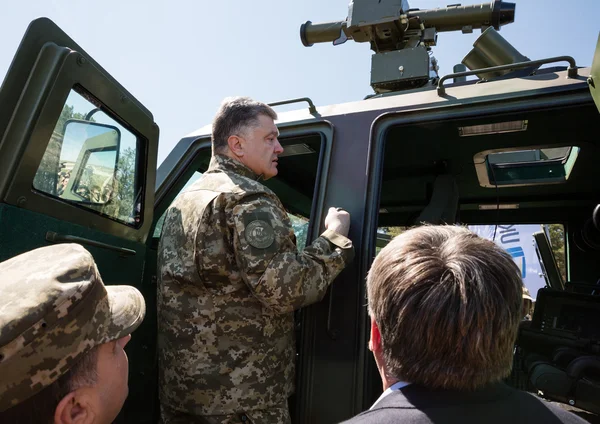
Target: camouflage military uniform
(230, 278)
(258, 416)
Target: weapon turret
(402, 37)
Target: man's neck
(230, 155)
(388, 381)
(231, 163)
(386, 378)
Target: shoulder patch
(259, 234)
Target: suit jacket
(495, 404)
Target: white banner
(517, 240)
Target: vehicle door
(77, 165)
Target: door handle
(53, 237)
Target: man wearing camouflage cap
(231, 277)
(62, 334)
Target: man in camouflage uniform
(231, 277)
(62, 334)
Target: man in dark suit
(445, 306)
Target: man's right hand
(338, 220)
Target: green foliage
(126, 180)
(392, 231)
(300, 226)
(121, 201)
(385, 235)
(557, 240)
(66, 114)
(46, 178)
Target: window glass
(526, 167)
(385, 235)
(300, 226)
(530, 156)
(518, 241)
(93, 161)
(294, 184)
(299, 223)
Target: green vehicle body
(392, 161)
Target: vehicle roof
(427, 97)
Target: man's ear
(75, 408)
(236, 145)
(375, 340)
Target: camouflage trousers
(278, 415)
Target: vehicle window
(510, 167)
(431, 172)
(385, 235)
(299, 223)
(296, 181)
(300, 226)
(294, 184)
(92, 161)
(517, 240)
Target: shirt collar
(419, 397)
(225, 163)
(392, 388)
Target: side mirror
(89, 162)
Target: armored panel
(362, 15)
(393, 70)
(363, 12)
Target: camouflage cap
(54, 308)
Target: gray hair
(235, 116)
(448, 305)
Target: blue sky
(181, 58)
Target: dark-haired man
(445, 306)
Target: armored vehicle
(517, 145)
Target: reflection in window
(300, 226)
(93, 161)
(94, 183)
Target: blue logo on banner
(517, 252)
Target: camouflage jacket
(230, 277)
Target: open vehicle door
(78, 164)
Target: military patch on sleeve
(259, 234)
